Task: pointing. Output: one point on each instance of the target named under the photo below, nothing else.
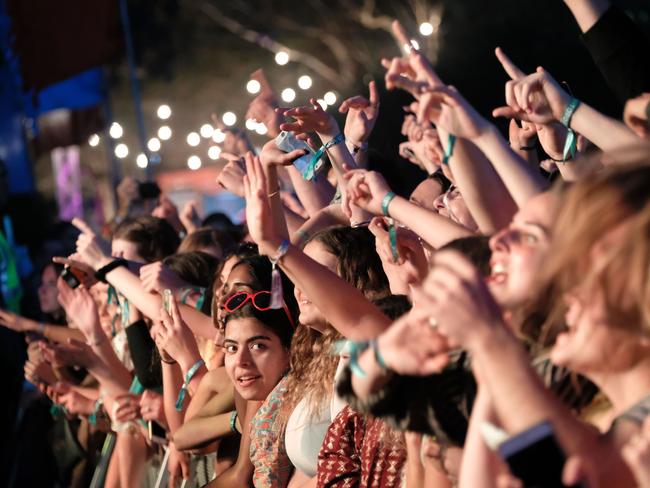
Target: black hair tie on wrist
(101, 273)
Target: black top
(620, 50)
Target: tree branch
(266, 42)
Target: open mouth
(498, 273)
(248, 380)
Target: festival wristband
(449, 150)
(569, 110)
(310, 170)
(392, 234)
(385, 202)
(277, 299)
(233, 422)
(188, 377)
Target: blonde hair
(615, 199)
(313, 359)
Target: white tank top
(305, 433)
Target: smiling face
(518, 252)
(310, 315)
(255, 359)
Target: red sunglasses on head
(261, 300)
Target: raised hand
(74, 261)
(362, 115)
(81, 308)
(91, 249)
(310, 118)
(458, 300)
(411, 265)
(263, 107)
(156, 277)
(413, 72)
(272, 156)
(166, 210)
(447, 108)
(366, 190)
(412, 347)
(172, 335)
(258, 209)
(551, 136)
(189, 216)
(232, 174)
(536, 98)
(235, 140)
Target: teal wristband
(233, 422)
(386, 202)
(310, 171)
(392, 234)
(449, 150)
(378, 357)
(188, 377)
(357, 348)
(570, 109)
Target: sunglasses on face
(261, 300)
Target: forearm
(520, 400)
(172, 382)
(587, 12)
(293, 220)
(314, 195)
(359, 319)
(375, 379)
(433, 228)
(326, 217)
(477, 469)
(198, 432)
(484, 192)
(61, 334)
(150, 304)
(606, 133)
(112, 384)
(275, 199)
(522, 181)
(105, 352)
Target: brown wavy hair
(618, 197)
(313, 361)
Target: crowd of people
(492, 329)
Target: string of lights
(214, 136)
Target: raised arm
(539, 98)
(368, 190)
(358, 319)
